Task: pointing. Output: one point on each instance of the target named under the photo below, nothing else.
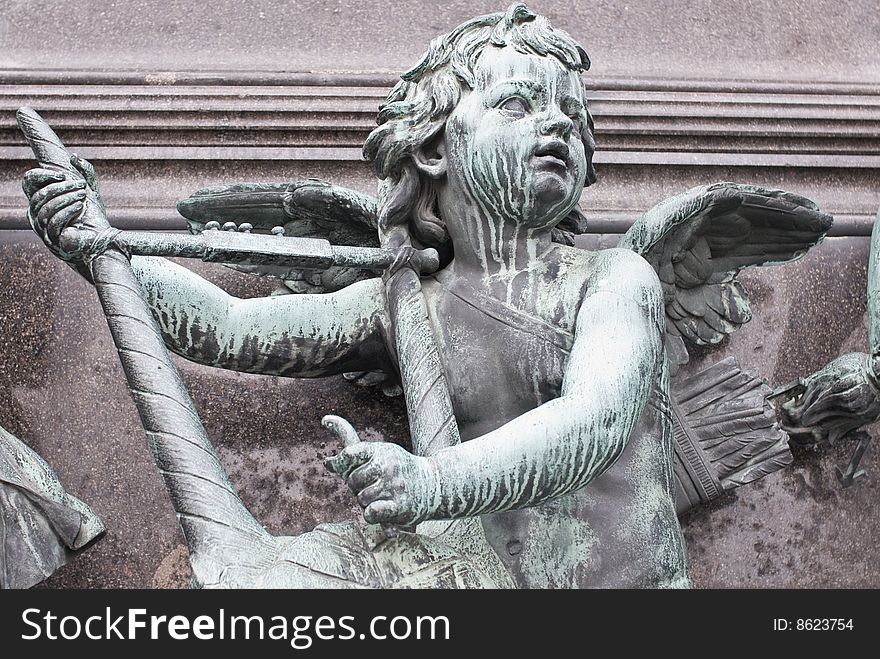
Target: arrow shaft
(251, 249)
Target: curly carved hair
(416, 110)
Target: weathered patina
(547, 450)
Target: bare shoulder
(626, 273)
(612, 270)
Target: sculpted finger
(349, 458)
(53, 190)
(343, 429)
(35, 179)
(363, 476)
(356, 456)
(62, 219)
(372, 494)
(335, 464)
(86, 169)
(381, 512)
(53, 206)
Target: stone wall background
(168, 97)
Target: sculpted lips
(553, 153)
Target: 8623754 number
(823, 624)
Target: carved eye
(515, 106)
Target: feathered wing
(308, 208)
(699, 240)
(726, 434)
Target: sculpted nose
(557, 123)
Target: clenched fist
(59, 200)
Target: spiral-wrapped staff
(214, 520)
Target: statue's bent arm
(287, 335)
(565, 443)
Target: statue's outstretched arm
(289, 335)
(551, 450)
(302, 336)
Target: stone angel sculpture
(548, 448)
(726, 435)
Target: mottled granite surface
(63, 392)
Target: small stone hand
(393, 486)
(59, 200)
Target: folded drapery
(41, 525)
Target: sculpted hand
(393, 486)
(58, 200)
(831, 402)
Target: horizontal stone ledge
(386, 79)
(165, 78)
(336, 154)
(128, 219)
(618, 223)
(121, 115)
(598, 222)
(326, 116)
(117, 153)
(287, 101)
(301, 144)
(700, 159)
(270, 95)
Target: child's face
(513, 142)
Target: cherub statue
(536, 373)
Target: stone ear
(430, 158)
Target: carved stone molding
(820, 139)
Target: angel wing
(699, 240)
(309, 208)
(725, 433)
